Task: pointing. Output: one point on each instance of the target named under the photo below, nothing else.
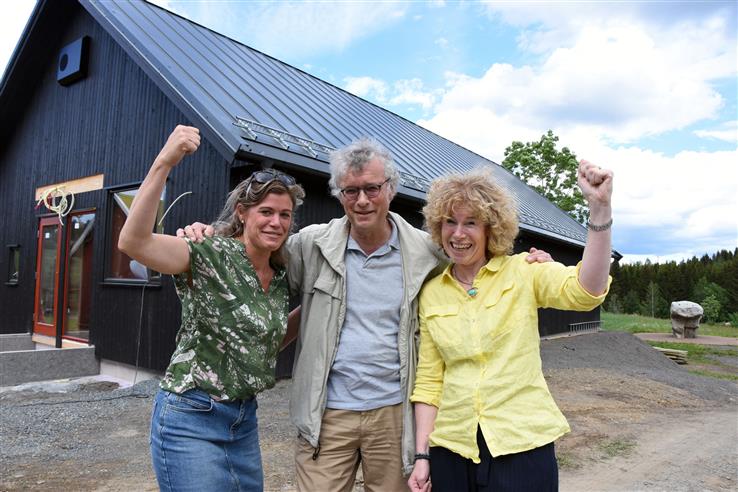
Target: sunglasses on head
(268, 175)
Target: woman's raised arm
(596, 186)
(160, 252)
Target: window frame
(14, 265)
(154, 278)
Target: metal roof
(246, 101)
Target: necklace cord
(456, 276)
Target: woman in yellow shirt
(485, 419)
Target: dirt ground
(639, 422)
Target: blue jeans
(200, 444)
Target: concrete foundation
(16, 341)
(24, 366)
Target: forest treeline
(650, 288)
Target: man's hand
(538, 256)
(419, 480)
(196, 232)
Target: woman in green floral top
(234, 314)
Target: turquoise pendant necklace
(471, 291)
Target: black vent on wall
(72, 63)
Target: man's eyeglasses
(371, 191)
(269, 175)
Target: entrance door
(78, 275)
(47, 276)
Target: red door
(47, 276)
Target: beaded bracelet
(599, 228)
(422, 456)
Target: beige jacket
(316, 272)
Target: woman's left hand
(595, 183)
(419, 480)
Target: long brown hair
(250, 193)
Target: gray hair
(354, 156)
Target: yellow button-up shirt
(479, 359)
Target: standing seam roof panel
(221, 79)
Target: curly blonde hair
(485, 199)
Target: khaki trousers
(347, 438)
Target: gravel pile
(625, 353)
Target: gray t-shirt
(366, 372)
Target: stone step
(25, 366)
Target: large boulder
(685, 318)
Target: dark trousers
(535, 470)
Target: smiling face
(368, 216)
(464, 239)
(267, 224)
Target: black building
(88, 99)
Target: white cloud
(549, 25)
(293, 29)
(619, 80)
(402, 92)
(480, 130)
(366, 87)
(411, 92)
(441, 42)
(692, 193)
(671, 206)
(728, 132)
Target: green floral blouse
(231, 329)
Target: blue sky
(648, 89)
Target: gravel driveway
(628, 406)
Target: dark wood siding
(112, 122)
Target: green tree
(654, 304)
(712, 308)
(612, 304)
(705, 290)
(631, 302)
(551, 172)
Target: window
(13, 264)
(121, 266)
(78, 275)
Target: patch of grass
(695, 351)
(716, 375)
(703, 355)
(617, 447)
(634, 323)
(567, 461)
